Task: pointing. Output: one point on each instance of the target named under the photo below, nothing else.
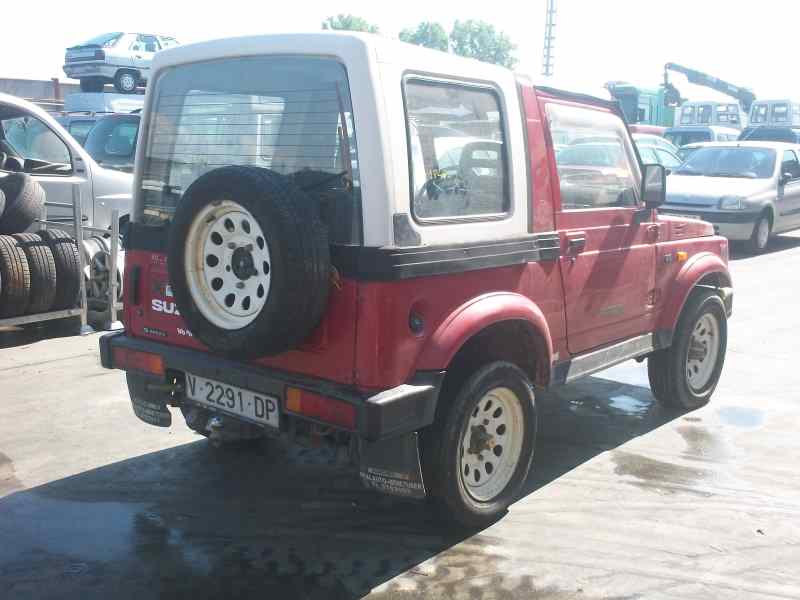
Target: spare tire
(16, 277)
(43, 271)
(68, 270)
(24, 202)
(248, 261)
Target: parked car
(660, 156)
(77, 124)
(32, 141)
(644, 139)
(749, 190)
(302, 292)
(112, 141)
(680, 136)
(769, 133)
(119, 58)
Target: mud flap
(149, 406)
(392, 466)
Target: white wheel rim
(762, 235)
(491, 444)
(127, 81)
(228, 266)
(701, 356)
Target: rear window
(681, 138)
(292, 115)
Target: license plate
(252, 406)
(695, 217)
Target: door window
(30, 139)
(598, 168)
(790, 164)
(457, 146)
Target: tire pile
(38, 272)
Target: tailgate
(150, 312)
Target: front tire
(762, 231)
(477, 455)
(685, 375)
(125, 82)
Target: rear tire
(684, 381)
(477, 455)
(24, 202)
(762, 231)
(92, 84)
(42, 269)
(67, 263)
(16, 278)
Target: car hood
(693, 189)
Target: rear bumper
(389, 413)
(81, 70)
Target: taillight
(99, 55)
(325, 409)
(136, 360)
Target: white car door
(49, 160)
(144, 50)
(788, 204)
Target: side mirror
(654, 185)
(785, 178)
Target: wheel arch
(705, 270)
(481, 329)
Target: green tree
(478, 39)
(342, 22)
(428, 34)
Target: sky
(752, 44)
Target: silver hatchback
(749, 190)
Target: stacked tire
(38, 272)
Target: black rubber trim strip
(389, 264)
(402, 409)
(713, 217)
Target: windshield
(292, 115)
(80, 129)
(112, 142)
(105, 40)
(747, 163)
(681, 138)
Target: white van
(783, 113)
(721, 114)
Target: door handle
(577, 244)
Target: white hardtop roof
(327, 43)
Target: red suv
(344, 239)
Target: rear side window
(112, 142)
(459, 166)
(598, 168)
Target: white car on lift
(119, 58)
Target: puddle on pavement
(702, 444)
(741, 416)
(655, 474)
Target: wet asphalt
(626, 500)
